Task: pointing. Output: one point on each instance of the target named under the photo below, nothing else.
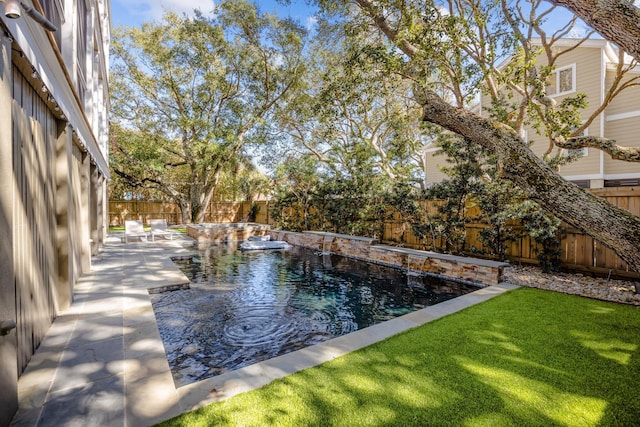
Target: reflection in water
(243, 308)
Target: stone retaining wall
(340, 244)
(474, 270)
(210, 233)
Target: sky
(135, 12)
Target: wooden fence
(225, 212)
(579, 251)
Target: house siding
(626, 132)
(623, 125)
(626, 102)
(434, 165)
(589, 68)
(54, 171)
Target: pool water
(246, 307)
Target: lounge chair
(133, 228)
(159, 228)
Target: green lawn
(528, 357)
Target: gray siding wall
(35, 266)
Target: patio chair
(159, 228)
(133, 228)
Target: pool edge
(252, 377)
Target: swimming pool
(243, 308)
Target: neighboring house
(589, 70)
(54, 106)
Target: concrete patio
(102, 363)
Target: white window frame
(557, 72)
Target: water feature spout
(327, 241)
(414, 265)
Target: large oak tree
(188, 94)
(419, 39)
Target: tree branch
(609, 146)
(617, 20)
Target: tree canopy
(190, 93)
(428, 44)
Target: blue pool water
(244, 308)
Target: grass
(526, 358)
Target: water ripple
(247, 307)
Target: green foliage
(135, 159)
(474, 180)
(356, 204)
(243, 182)
(403, 201)
(502, 205)
(464, 171)
(546, 231)
(191, 93)
(296, 185)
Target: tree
(351, 115)
(296, 185)
(463, 171)
(420, 42)
(619, 22)
(189, 94)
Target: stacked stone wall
(210, 234)
(467, 269)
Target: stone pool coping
(103, 363)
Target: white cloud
(579, 31)
(150, 10)
(312, 21)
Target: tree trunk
(197, 209)
(617, 228)
(616, 20)
(185, 213)
(205, 205)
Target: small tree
(546, 230)
(501, 204)
(296, 182)
(464, 174)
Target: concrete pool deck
(102, 363)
